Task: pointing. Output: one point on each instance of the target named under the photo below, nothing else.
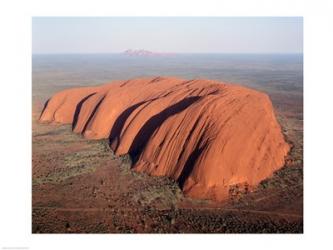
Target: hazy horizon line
(175, 53)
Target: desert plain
(80, 185)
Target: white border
(15, 46)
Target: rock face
(205, 134)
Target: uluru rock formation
(205, 134)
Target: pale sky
(58, 35)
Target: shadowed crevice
(78, 109)
(188, 138)
(215, 92)
(119, 124)
(45, 106)
(140, 141)
(92, 114)
(191, 160)
(156, 79)
(124, 83)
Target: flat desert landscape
(84, 183)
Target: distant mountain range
(142, 52)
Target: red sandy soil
(206, 135)
(79, 186)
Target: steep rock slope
(205, 134)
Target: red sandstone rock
(207, 135)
